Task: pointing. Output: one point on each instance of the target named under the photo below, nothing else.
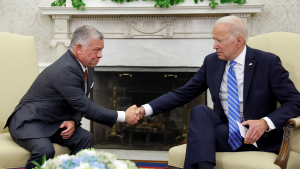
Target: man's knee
(87, 137)
(40, 151)
(200, 110)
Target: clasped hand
(134, 114)
(130, 115)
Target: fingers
(133, 107)
(137, 113)
(63, 124)
(132, 115)
(69, 131)
(256, 130)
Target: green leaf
(37, 164)
(43, 159)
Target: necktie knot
(232, 63)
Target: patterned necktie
(235, 138)
(85, 79)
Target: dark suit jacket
(57, 95)
(265, 83)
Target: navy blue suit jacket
(265, 83)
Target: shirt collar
(83, 68)
(241, 58)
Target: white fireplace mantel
(186, 27)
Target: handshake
(133, 114)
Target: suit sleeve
(285, 92)
(193, 88)
(68, 83)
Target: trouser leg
(201, 139)
(81, 139)
(207, 135)
(38, 148)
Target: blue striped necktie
(235, 138)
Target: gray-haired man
(51, 110)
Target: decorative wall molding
(221, 9)
(184, 20)
(66, 42)
(148, 28)
(210, 16)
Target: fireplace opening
(120, 90)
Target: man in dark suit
(51, 110)
(245, 85)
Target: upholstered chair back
(287, 47)
(18, 69)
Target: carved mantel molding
(175, 10)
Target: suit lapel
(220, 67)
(79, 68)
(250, 64)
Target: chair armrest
(296, 121)
(284, 153)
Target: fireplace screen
(119, 90)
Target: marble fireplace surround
(139, 37)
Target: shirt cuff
(121, 116)
(270, 124)
(148, 110)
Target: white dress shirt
(121, 114)
(239, 71)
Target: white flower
(119, 164)
(83, 166)
(63, 157)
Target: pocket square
(92, 85)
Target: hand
(130, 117)
(140, 112)
(69, 131)
(256, 130)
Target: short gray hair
(237, 26)
(83, 35)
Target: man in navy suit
(51, 110)
(245, 85)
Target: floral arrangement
(86, 159)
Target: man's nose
(99, 55)
(215, 45)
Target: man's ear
(239, 41)
(78, 49)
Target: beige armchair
(287, 47)
(18, 69)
